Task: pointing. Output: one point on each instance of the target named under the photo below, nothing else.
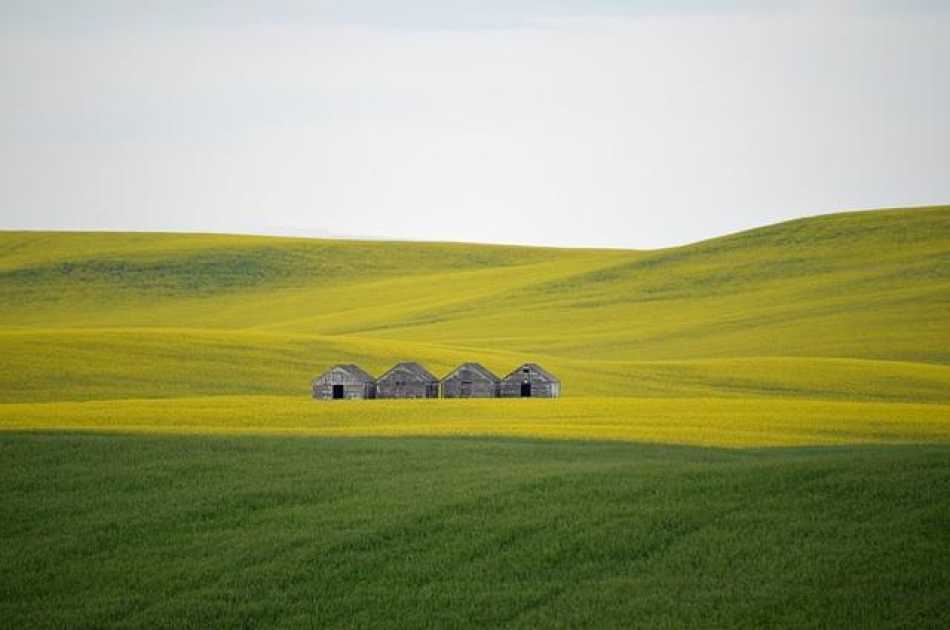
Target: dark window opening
(466, 389)
(526, 390)
(337, 392)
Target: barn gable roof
(415, 369)
(357, 371)
(475, 367)
(537, 368)
(352, 369)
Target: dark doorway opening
(337, 392)
(466, 389)
(526, 390)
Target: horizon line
(286, 233)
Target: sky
(604, 123)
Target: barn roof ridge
(537, 367)
(355, 370)
(478, 367)
(413, 366)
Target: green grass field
(755, 431)
(200, 532)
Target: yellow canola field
(826, 330)
(729, 423)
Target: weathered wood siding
(466, 383)
(353, 386)
(542, 386)
(405, 383)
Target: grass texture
(721, 422)
(255, 532)
(755, 432)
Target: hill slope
(845, 306)
(164, 465)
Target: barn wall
(350, 392)
(407, 389)
(541, 386)
(405, 382)
(511, 388)
(353, 387)
(481, 387)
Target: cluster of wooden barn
(411, 380)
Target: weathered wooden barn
(407, 380)
(470, 380)
(344, 381)
(530, 381)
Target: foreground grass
(735, 423)
(175, 531)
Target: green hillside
(198, 532)
(754, 432)
(849, 306)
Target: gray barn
(345, 381)
(407, 380)
(530, 381)
(470, 380)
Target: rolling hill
(849, 306)
(755, 432)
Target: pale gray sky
(600, 123)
